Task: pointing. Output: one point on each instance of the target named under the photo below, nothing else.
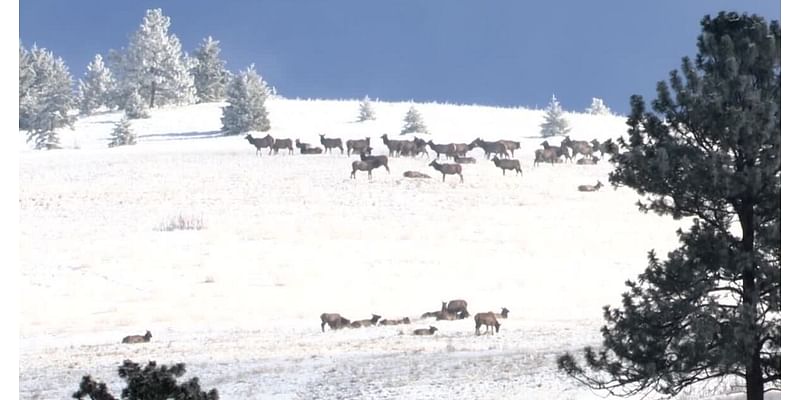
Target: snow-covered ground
(287, 238)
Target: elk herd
(500, 152)
(450, 311)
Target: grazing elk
(545, 155)
(334, 321)
(589, 161)
(415, 174)
(457, 306)
(260, 143)
(510, 145)
(392, 145)
(366, 322)
(507, 164)
(365, 166)
(282, 144)
(405, 320)
(428, 331)
(138, 338)
(331, 144)
(447, 169)
(357, 145)
(489, 148)
(381, 160)
(487, 319)
(578, 147)
(590, 188)
(463, 160)
(446, 149)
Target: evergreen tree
(598, 107)
(48, 100)
(210, 75)
(413, 122)
(27, 78)
(151, 382)
(710, 149)
(154, 64)
(365, 111)
(134, 107)
(122, 135)
(554, 121)
(246, 111)
(96, 87)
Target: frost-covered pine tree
(413, 122)
(365, 111)
(96, 87)
(50, 99)
(246, 95)
(27, 78)
(122, 135)
(598, 107)
(210, 75)
(554, 121)
(135, 107)
(154, 64)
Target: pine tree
(96, 87)
(598, 107)
(27, 79)
(710, 150)
(246, 111)
(554, 121)
(151, 382)
(154, 64)
(210, 75)
(365, 111)
(413, 122)
(122, 135)
(49, 99)
(134, 105)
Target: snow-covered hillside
(287, 238)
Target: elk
(365, 166)
(546, 155)
(589, 161)
(307, 148)
(381, 160)
(282, 144)
(457, 306)
(447, 169)
(334, 321)
(428, 331)
(507, 164)
(590, 188)
(440, 149)
(578, 146)
(331, 144)
(393, 145)
(510, 145)
(357, 145)
(463, 160)
(608, 147)
(405, 320)
(459, 149)
(366, 322)
(415, 174)
(138, 338)
(260, 143)
(503, 313)
(487, 319)
(560, 151)
(436, 314)
(490, 148)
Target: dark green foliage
(149, 383)
(710, 150)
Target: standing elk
(507, 164)
(392, 145)
(510, 145)
(260, 143)
(365, 166)
(334, 321)
(282, 144)
(446, 149)
(357, 145)
(331, 144)
(489, 148)
(381, 160)
(447, 169)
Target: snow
(287, 238)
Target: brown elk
(503, 313)
(365, 166)
(463, 160)
(415, 174)
(447, 169)
(428, 331)
(489, 148)
(357, 145)
(510, 145)
(578, 146)
(487, 319)
(334, 321)
(393, 145)
(366, 322)
(589, 161)
(507, 164)
(331, 144)
(446, 149)
(138, 338)
(545, 155)
(282, 144)
(457, 306)
(405, 320)
(260, 143)
(590, 188)
(381, 160)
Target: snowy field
(287, 238)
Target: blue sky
(507, 53)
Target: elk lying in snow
(507, 164)
(138, 338)
(457, 306)
(463, 160)
(282, 144)
(405, 320)
(381, 160)
(447, 169)
(590, 188)
(489, 148)
(330, 144)
(365, 166)
(260, 143)
(436, 314)
(357, 146)
(428, 331)
(588, 161)
(307, 148)
(487, 319)
(415, 174)
(366, 322)
(334, 321)
(449, 316)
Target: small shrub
(182, 222)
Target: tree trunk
(152, 93)
(753, 373)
